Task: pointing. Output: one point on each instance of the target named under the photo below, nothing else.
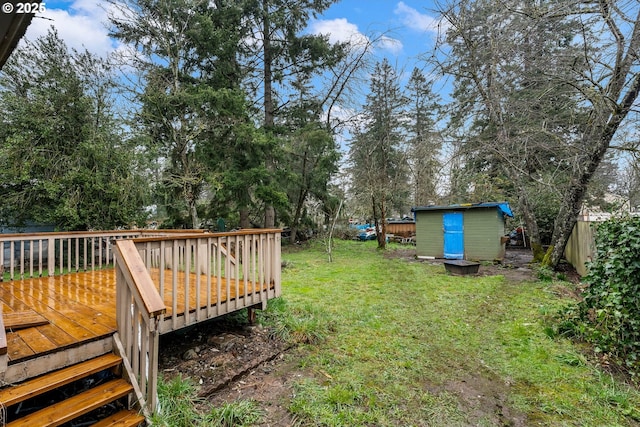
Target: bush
(609, 314)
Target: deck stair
(70, 394)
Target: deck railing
(37, 254)
(212, 274)
(138, 312)
(191, 278)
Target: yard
(390, 341)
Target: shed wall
(483, 229)
(429, 234)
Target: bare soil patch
(484, 400)
(515, 267)
(229, 360)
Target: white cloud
(341, 30)
(393, 46)
(81, 26)
(416, 20)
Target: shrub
(609, 314)
(545, 274)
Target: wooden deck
(81, 307)
(66, 318)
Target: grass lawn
(401, 343)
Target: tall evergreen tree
(425, 142)
(280, 55)
(190, 93)
(378, 163)
(63, 158)
(311, 155)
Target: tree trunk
(298, 214)
(531, 224)
(603, 127)
(381, 234)
(375, 214)
(269, 216)
(269, 211)
(570, 208)
(195, 222)
(244, 218)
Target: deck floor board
(81, 307)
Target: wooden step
(76, 406)
(123, 418)
(31, 388)
(22, 319)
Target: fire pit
(461, 266)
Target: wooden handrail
(4, 356)
(140, 277)
(241, 232)
(138, 311)
(102, 233)
(3, 336)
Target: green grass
(389, 339)
(179, 408)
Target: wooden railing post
(139, 308)
(51, 255)
(4, 358)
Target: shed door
(453, 235)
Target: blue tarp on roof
(501, 206)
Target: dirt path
(229, 361)
(232, 362)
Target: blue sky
(408, 27)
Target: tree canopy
(233, 109)
(64, 156)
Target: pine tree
(63, 157)
(378, 163)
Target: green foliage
(424, 142)
(237, 414)
(193, 113)
(544, 273)
(298, 325)
(378, 161)
(63, 160)
(608, 316)
(178, 407)
(176, 403)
